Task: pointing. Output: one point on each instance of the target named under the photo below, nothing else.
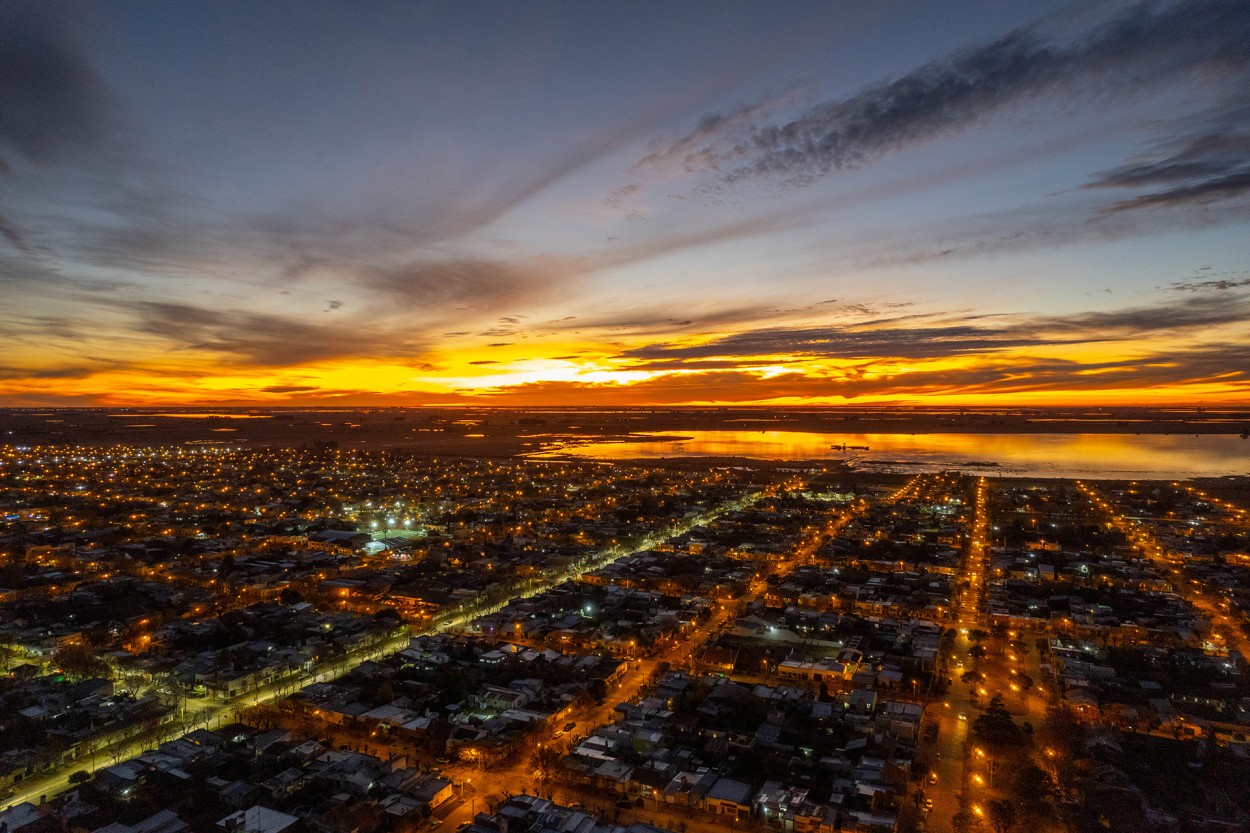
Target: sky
(646, 203)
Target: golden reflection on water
(1055, 455)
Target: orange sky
(585, 203)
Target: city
(386, 641)
(625, 416)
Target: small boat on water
(845, 447)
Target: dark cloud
(436, 287)
(1146, 45)
(1208, 191)
(1201, 167)
(1215, 285)
(691, 151)
(1224, 364)
(289, 389)
(906, 337)
(53, 372)
(705, 364)
(844, 342)
(1040, 225)
(1194, 313)
(54, 106)
(1199, 159)
(259, 339)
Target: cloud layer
(470, 246)
(1145, 46)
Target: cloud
(1225, 365)
(289, 389)
(1194, 313)
(843, 342)
(54, 106)
(260, 339)
(1208, 191)
(904, 337)
(1201, 166)
(690, 152)
(54, 372)
(11, 233)
(488, 287)
(1215, 285)
(1149, 44)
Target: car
(568, 727)
(437, 823)
(559, 734)
(963, 715)
(932, 777)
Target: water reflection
(1028, 455)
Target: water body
(1108, 456)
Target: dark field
(504, 433)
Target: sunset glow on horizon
(810, 203)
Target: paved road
(957, 711)
(478, 785)
(213, 714)
(1170, 565)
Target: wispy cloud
(12, 234)
(1145, 46)
(486, 287)
(1212, 285)
(1226, 365)
(909, 338)
(1208, 162)
(260, 339)
(289, 389)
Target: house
(166, 821)
(728, 797)
(257, 819)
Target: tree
(80, 662)
(8, 653)
(1002, 814)
(545, 764)
(290, 596)
(917, 797)
(995, 726)
(1030, 783)
(261, 715)
(966, 821)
